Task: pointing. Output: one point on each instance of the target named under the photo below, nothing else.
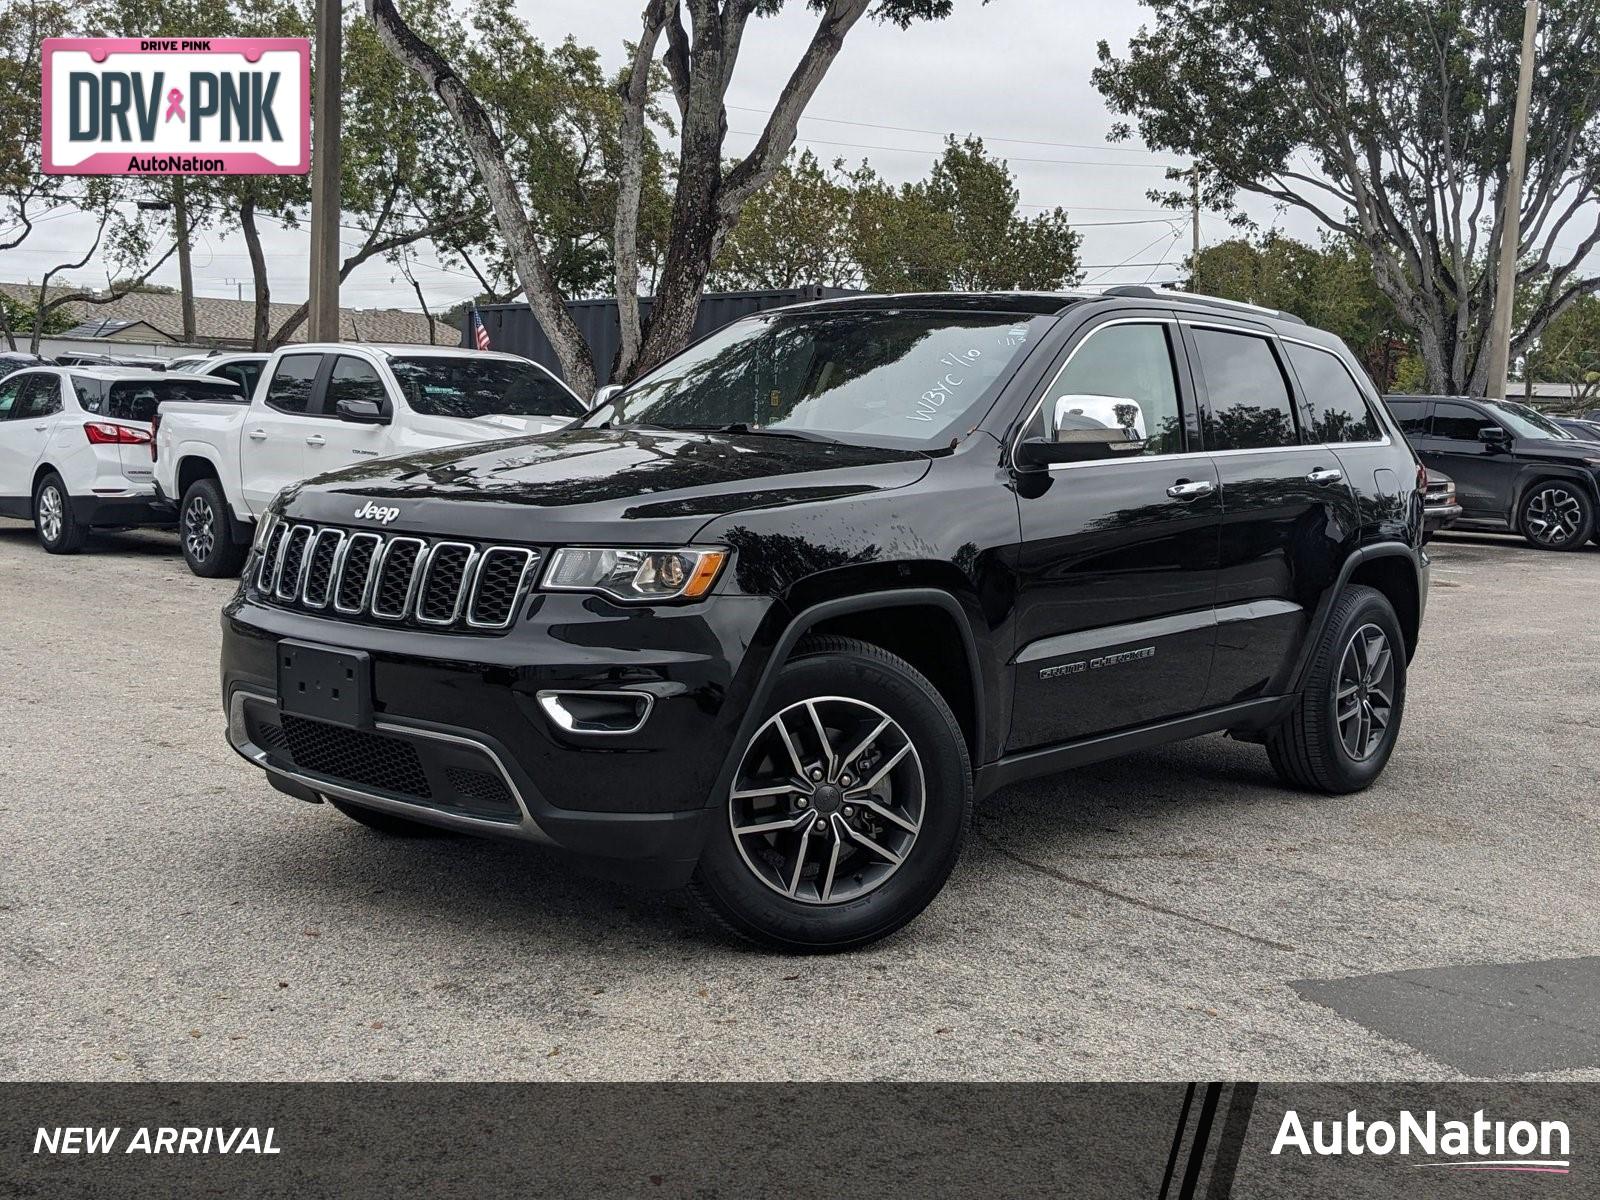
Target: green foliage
(1569, 353)
(960, 228)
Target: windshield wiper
(760, 431)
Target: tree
(795, 231)
(1332, 286)
(1569, 353)
(1389, 121)
(709, 193)
(960, 228)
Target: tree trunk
(488, 155)
(635, 91)
(260, 336)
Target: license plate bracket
(325, 684)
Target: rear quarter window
(1338, 410)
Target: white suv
(75, 447)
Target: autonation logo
(1480, 1144)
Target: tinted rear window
(1412, 416)
(1338, 410)
(1250, 407)
(137, 400)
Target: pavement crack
(1112, 893)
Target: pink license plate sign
(171, 106)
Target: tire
(1312, 748)
(1556, 514)
(58, 528)
(385, 822)
(808, 892)
(205, 533)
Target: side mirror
(603, 395)
(1493, 435)
(361, 412)
(1088, 428)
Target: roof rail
(1140, 291)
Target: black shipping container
(512, 327)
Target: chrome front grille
(394, 579)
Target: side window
(1412, 416)
(1250, 407)
(290, 389)
(1339, 411)
(1458, 422)
(10, 392)
(1131, 362)
(41, 400)
(353, 379)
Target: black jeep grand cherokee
(771, 618)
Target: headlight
(634, 574)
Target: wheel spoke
(799, 861)
(884, 768)
(788, 744)
(833, 859)
(781, 789)
(774, 826)
(862, 839)
(822, 739)
(867, 741)
(889, 815)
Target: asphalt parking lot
(165, 915)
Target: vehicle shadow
(134, 543)
(1499, 541)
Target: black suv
(1514, 467)
(769, 620)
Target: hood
(600, 485)
(453, 431)
(1550, 450)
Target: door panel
(335, 443)
(31, 412)
(272, 446)
(1484, 476)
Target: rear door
(1288, 513)
(1118, 561)
(338, 443)
(272, 447)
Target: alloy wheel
(1553, 516)
(1364, 694)
(828, 800)
(51, 514)
(199, 529)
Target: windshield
(137, 400)
(903, 378)
(436, 386)
(1527, 422)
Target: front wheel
(1557, 515)
(208, 545)
(848, 808)
(1347, 718)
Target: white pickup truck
(320, 407)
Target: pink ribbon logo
(175, 105)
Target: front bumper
(460, 738)
(1439, 516)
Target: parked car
(1584, 431)
(1514, 467)
(244, 368)
(770, 618)
(84, 358)
(75, 448)
(1440, 510)
(319, 407)
(19, 360)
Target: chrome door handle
(258, 435)
(41, 428)
(1325, 476)
(315, 439)
(1185, 489)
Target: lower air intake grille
(371, 759)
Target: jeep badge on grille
(371, 512)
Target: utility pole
(1194, 209)
(180, 222)
(323, 317)
(1505, 292)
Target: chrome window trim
(529, 561)
(366, 584)
(1038, 405)
(411, 584)
(333, 574)
(461, 588)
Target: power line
(1066, 162)
(945, 133)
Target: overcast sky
(1015, 72)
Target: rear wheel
(1557, 515)
(848, 808)
(58, 529)
(385, 822)
(203, 526)
(1347, 718)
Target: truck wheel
(848, 808)
(385, 822)
(1556, 515)
(208, 545)
(53, 520)
(1347, 717)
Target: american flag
(480, 335)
